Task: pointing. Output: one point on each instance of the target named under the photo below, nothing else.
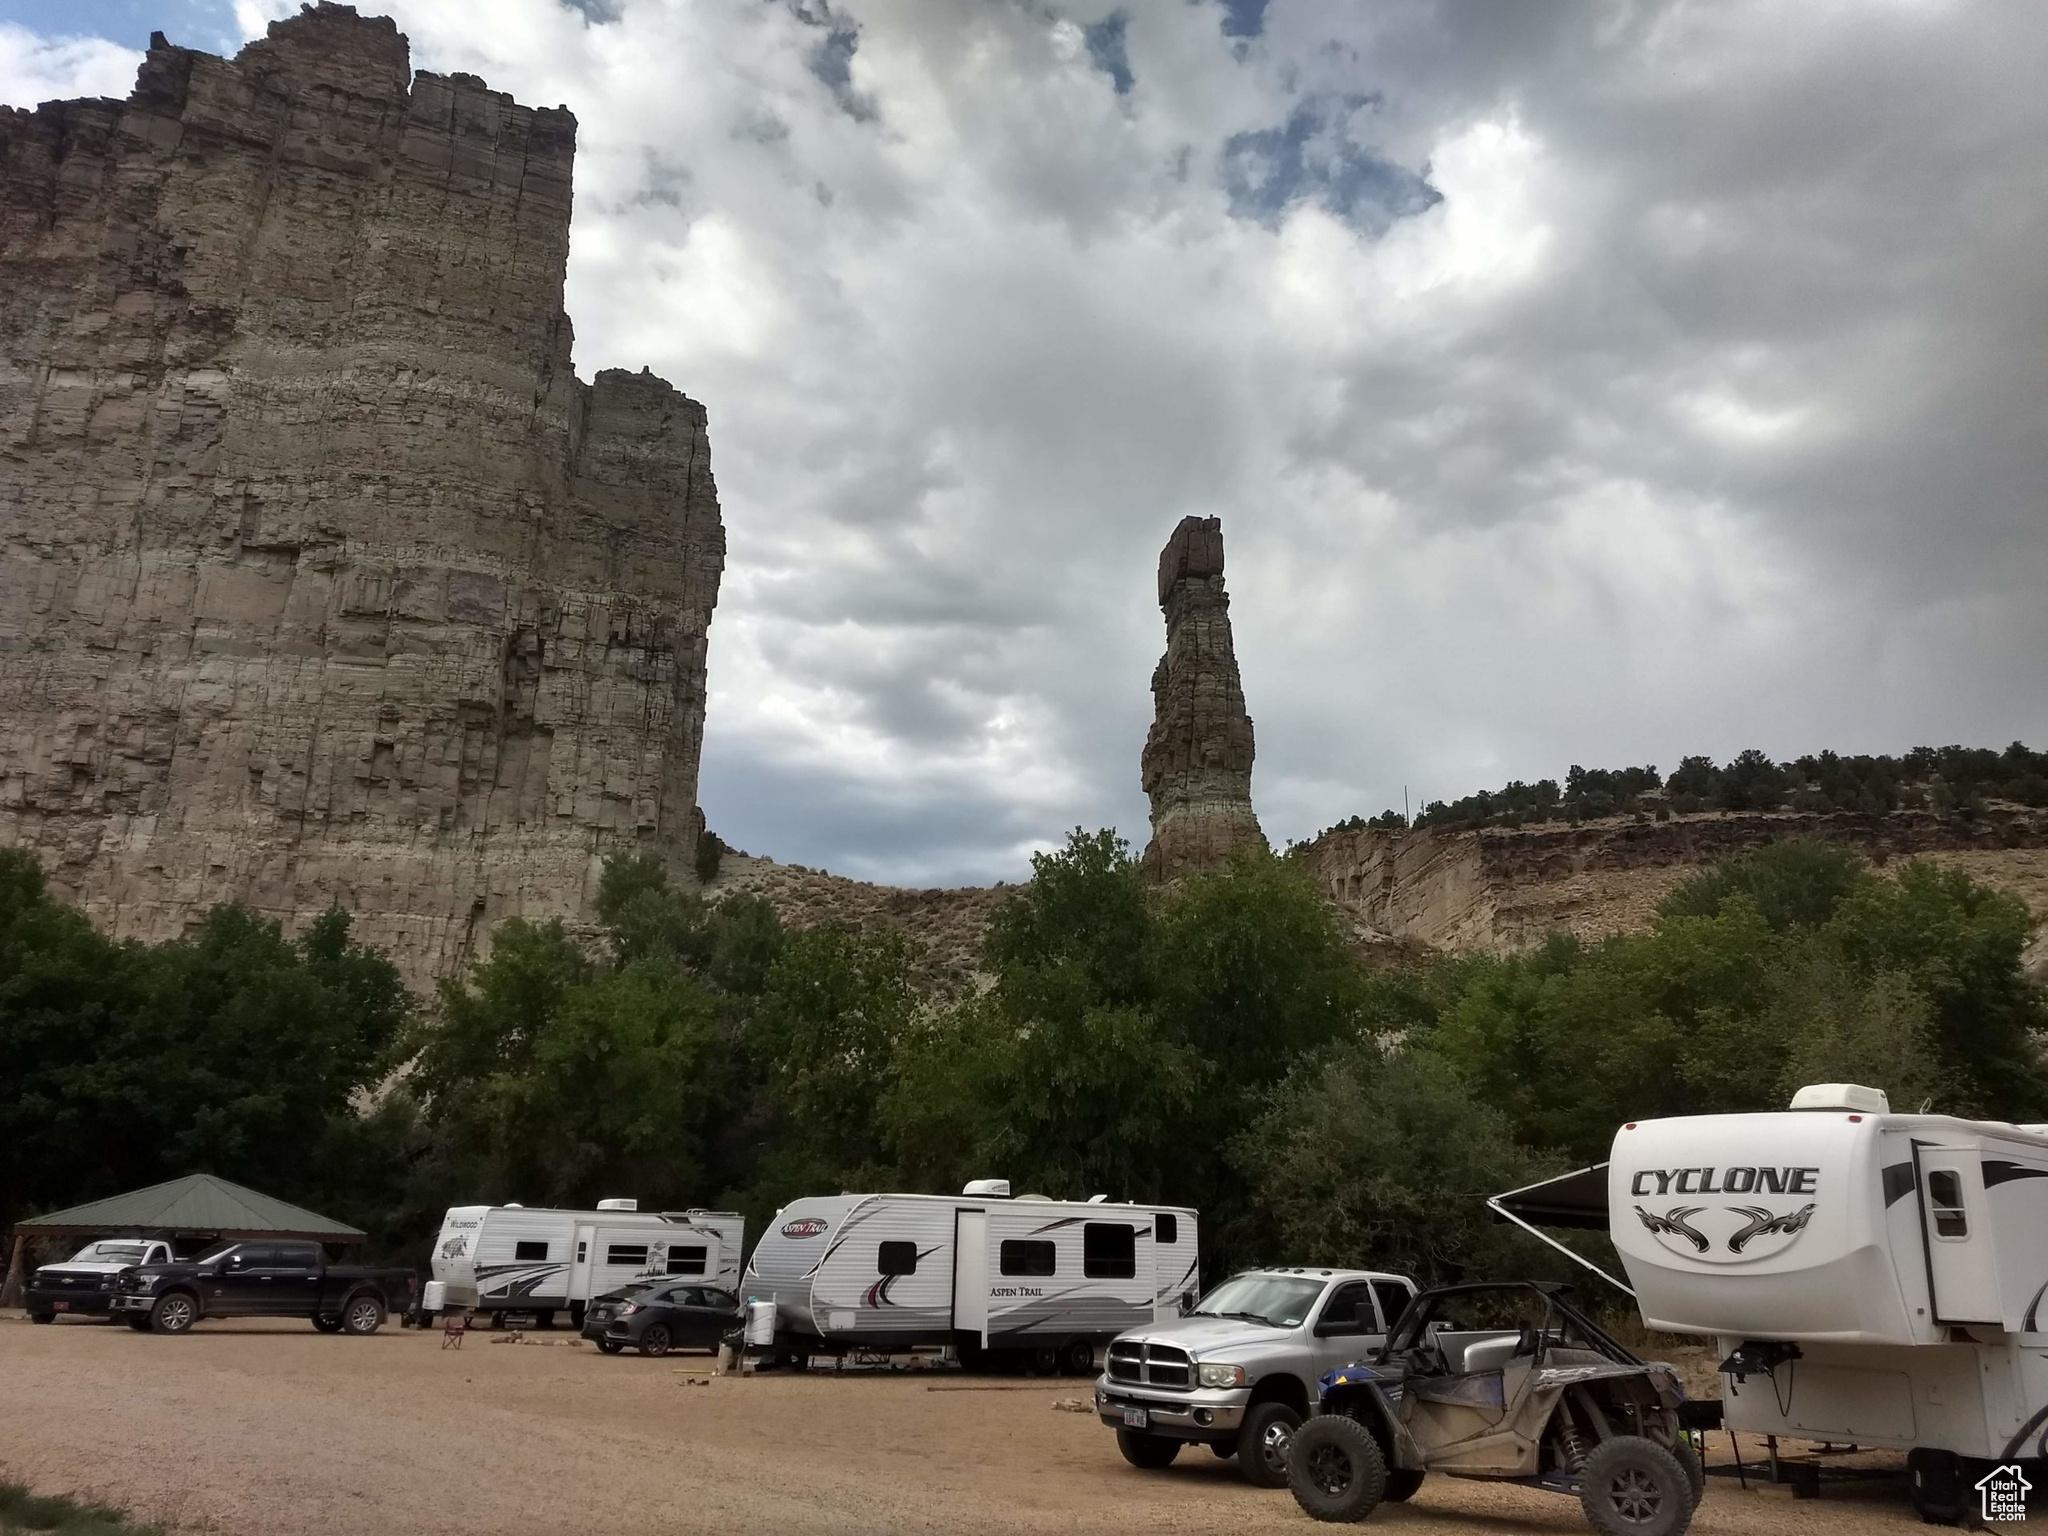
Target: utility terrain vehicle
(1549, 1399)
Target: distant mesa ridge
(322, 578)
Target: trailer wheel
(1148, 1451)
(1078, 1358)
(362, 1315)
(1402, 1484)
(1935, 1483)
(544, 1319)
(1335, 1469)
(1635, 1487)
(327, 1322)
(1262, 1443)
(175, 1313)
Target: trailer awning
(1576, 1200)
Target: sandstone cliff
(1197, 765)
(322, 578)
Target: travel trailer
(1870, 1278)
(509, 1258)
(980, 1271)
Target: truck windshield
(1280, 1301)
(109, 1253)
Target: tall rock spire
(1198, 756)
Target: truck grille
(1151, 1365)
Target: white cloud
(1701, 412)
(35, 69)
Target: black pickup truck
(260, 1278)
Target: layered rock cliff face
(322, 578)
(1502, 889)
(1197, 765)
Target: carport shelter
(198, 1206)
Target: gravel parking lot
(264, 1428)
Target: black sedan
(655, 1319)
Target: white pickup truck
(1238, 1373)
(84, 1283)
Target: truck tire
(1335, 1469)
(362, 1315)
(1402, 1484)
(1148, 1451)
(140, 1323)
(42, 1317)
(174, 1313)
(1631, 1486)
(327, 1322)
(1262, 1443)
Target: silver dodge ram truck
(1238, 1373)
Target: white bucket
(434, 1296)
(760, 1322)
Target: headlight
(1220, 1375)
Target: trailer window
(530, 1253)
(686, 1261)
(1166, 1227)
(1026, 1256)
(1945, 1199)
(1109, 1250)
(897, 1259)
(626, 1253)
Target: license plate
(1136, 1418)
(60, 1306)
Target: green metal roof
(197, 1205)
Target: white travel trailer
(979, 1270)
(511, 1258)
(1871, 1278)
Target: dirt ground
(265, 1428)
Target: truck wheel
(1148, 1451)
(1262, 1442)
(1402, 1483)
(139, 1323)
(1335, 1469)
(175, 1313)
(327, 1322)
(362, 1316)
(1222, 1450)
(655, 1340)
(1635, 1487)
(42, 1317)
(1695, 1469)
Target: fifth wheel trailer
(979, 1270)
(514, 1258)
(1869, 1277)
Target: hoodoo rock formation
(322, 578)
(1197, 765)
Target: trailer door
(1962, 1269)
(970, 1273)
(579, 1262)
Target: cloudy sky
(1585, 383)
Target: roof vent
(618, 1205)
(988, 1189)
(1850, 1096)
(514, 1205)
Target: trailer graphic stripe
(1898, 1183)
(1998, 1171)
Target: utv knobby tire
(1635, 1487)
(362, 1316)
(1402, 1483)
(1262, 1442)
(175, 1313)
(1695, 1469)
(327, 1322)
(1148, 1451)
(655, 1340)
(1335, 1469)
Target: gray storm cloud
(1590, 383)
